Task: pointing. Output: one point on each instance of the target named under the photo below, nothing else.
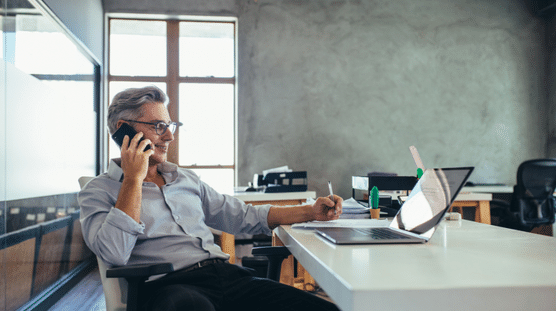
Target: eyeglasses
(161, 126)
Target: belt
(203, 263)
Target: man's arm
(129, 198)
(108, 232)
(134, 166)
(323, 209)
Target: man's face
(152, 113)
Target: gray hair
(128, 104)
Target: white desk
(465, 266)
(256, 197)
(489, 189)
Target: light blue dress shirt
(175, 219)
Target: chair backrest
(83, 180)
(533, 197)
(115, 289)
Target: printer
(281, 182)
(390, 186)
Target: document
(351, 206)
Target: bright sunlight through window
(194, 62)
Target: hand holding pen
(327, 208)
(336, 199)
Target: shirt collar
(115, 171)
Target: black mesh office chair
(532, 203)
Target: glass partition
(48, 139)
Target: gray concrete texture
(342, 88)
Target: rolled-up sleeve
(229, 214)
(108, 232)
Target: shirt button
(177, 217)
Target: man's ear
(119, 123)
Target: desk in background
(280, 198)
(227, 241)
(465, 266)
(504, 193)
(479, 201)
(494, 189)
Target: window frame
(173, 79)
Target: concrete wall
(342, 88)
(551, 82)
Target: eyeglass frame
(156, 124)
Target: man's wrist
(132, 180)
(308, 213)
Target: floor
(87, 295)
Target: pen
(331, 195)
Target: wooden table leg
(302, 279)
(228, 245)
(482, 215)
(482, 209)
(286, 272)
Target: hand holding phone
(126, 129)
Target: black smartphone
(126, 129)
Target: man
(147, 210)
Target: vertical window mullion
(173, 83)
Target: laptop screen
(431, 197)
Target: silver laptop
(417, 219)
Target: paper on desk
(343, 223)
(281, 169)
(349, 206)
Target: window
(194, 62)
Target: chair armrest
(135, 276)
(139, 271)
(275, 255)
(271, 251)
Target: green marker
(374, 197)
(419, 173)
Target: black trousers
(225, 287)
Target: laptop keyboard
(381, 233)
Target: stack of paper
(351, 206)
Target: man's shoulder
(102, 181)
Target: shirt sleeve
(229, 214)
(109, 232)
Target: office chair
(532, 203)
(121, 285)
